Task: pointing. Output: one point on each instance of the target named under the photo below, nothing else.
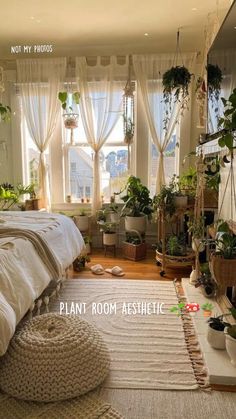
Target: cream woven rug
(148, 351)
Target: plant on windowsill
(137, 206)
(113, 211)
(70, 117)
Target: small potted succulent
(207, 309)
(215, 333)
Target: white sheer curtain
(226, 60)
(149, 70)
(100, 105)
(39, 81)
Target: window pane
(113, 166)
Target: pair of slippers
(99, 270)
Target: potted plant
(137, 205)
(214, 79)
(82, 221)
(207, 309)
(109, 233)
(175, 82)
(230, 343)
(165, 199)
(9, 196)
(128, 130)
(215, 333)
(113, 211)
(5, 113)
(205, 281)
(70, 117)
(134, 247)
(188, 184)
(223, 259)
(180, 199)
(80, 261)
(196, 227)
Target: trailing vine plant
(175, 83)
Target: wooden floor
(144, 270)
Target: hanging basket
(71, 120)
(224, 271)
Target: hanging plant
(214, 79)
(5, 113)
(228, 122)
(128, 130)
(176, 84)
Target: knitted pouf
(54, 357)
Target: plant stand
(107, 248)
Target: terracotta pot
(216, 338)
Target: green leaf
(221, 142)
(224, 101)
(64, 106)
(62, 96)
(76, 97)
(229, 141)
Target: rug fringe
(194, 350)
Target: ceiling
(104, 27)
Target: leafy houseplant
(5, 113)
(70, 117)
(214, 79)
(10, 195)
(230, 334)
(128, 130)
(175, 246)
(228, 122)
(215, 334)
(175, 82)
(134, 247)
(82, 220)
(109, 232)
(79, 262)
(137, 205)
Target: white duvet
(23, 275)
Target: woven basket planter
(224, 271)
(134, 251)
(176, 262)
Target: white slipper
(116, 271)
(97, 269)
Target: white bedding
(23, 274)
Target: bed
(35, 248)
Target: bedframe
(36, 248)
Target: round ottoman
(54, 357)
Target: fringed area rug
(88, 406)
(149, 350)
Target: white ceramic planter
(180, 201)
(82, 222)
(114, 217)
(197, 246)
(216, 338)
(230, 344)
(136, 223)
(109, 239)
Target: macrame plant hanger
(70, 116)
(128, 112)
